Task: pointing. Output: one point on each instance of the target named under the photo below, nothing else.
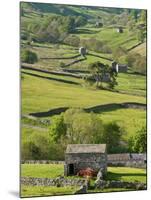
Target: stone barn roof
(86, 148)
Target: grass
(141, 49)
(30, 191)
(55, 170)
(112, 38)
(132, 83)
(42, 95)
(42, 170)
(126, 174)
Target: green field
(55, 170)
(30, 191)
(42, 95)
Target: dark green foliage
(112, 136)
(28, 56)
(98, 71)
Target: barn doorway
(71, 169)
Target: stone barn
(98, 24)
(122, 68)
(119, 30)
(82, 156)
(82, 51)
(119, 67)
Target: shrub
(138, 143)
(29, 57)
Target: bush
(28, 57)
(138, 143)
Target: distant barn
(119, 30)
(82, 51)
(98, 24)
(119, 67)
(82, 156)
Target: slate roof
(86, 148)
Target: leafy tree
(98, 71)
(83, 127)
(113, 82)
(28, 56)
(112, 136)
(57, 128)
(139, 141)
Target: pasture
(55, 170)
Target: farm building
(122, 68)
(119, 30)
(119, 67)
(82, 156)
(82, 51)
(98, 24)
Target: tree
(28, 56)
(82, 127)
(113, 82)
(57, 128)
(112, 136)
(139, 141)
(98, 71)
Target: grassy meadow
(53, 171)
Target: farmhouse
(82, 156)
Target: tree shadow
(117, 177)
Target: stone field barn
(82, 156)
